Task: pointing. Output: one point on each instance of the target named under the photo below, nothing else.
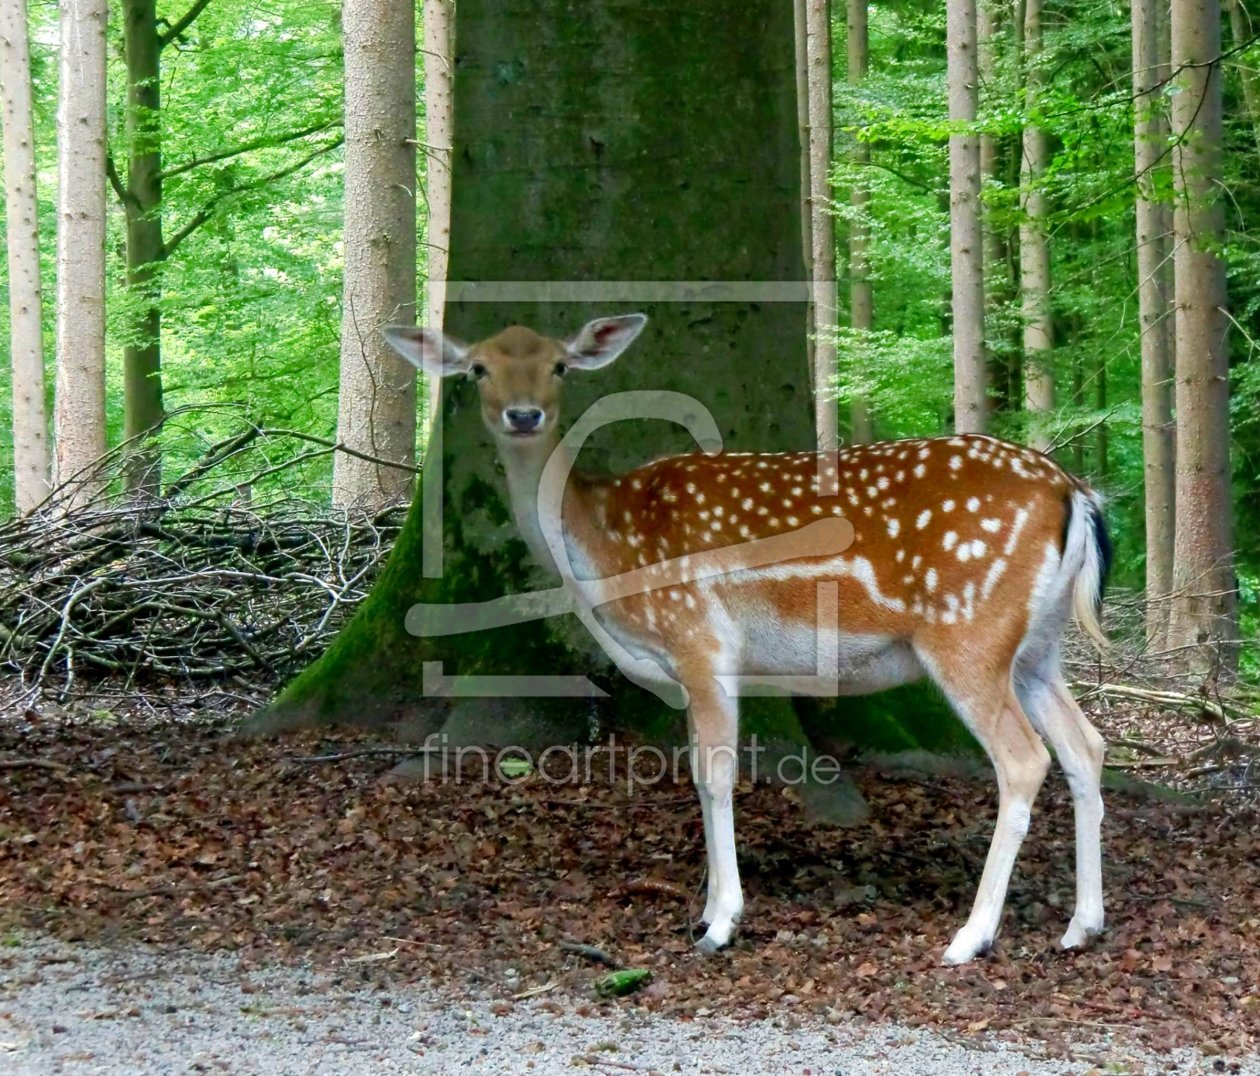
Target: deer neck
(524, 463)
(581, 507)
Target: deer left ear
(427, 349)
(599, 342)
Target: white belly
(796, 657)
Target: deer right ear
(428, 349)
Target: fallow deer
(968, 556)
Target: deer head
(519, 374)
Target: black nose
(524, 419)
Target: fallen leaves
(226, 845)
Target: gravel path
(77, 1009)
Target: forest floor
(166, 836)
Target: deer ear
(599, 342)
(427, 349)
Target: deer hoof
(965, 947)
(718, 936)
(1080, 932)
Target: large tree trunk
(31, 466)
(79, 412)
(572, 202)
(439, 101)
(1034, 245)
(1204, 611)
(966, 242)
(376, 413)
(861, 295)
(142, 351)
(1150, 137)
(823, 224)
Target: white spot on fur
(1021, 517)
(992, 576)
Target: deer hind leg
(714, 720)
(991, 710)
(1079, 748)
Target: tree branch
(245, 147)
(174, 30)
(207, 211)
(115, 181)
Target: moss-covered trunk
(630, 146)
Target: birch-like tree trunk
(31, 465)
(1034, 245)
(861, 299)
(823, 225)
(966, 242)
(1150, 137)
(377, 404)
(79, 411)
(439, 97)
(1204, 610)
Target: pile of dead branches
(207, 583)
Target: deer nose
(523, 419)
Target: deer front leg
(714, 721)
(706, 813)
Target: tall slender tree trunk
(966, 241)
(439, 101)
(79, 412)
(1242, 29)
(1078, 398)
(377, 403)
(142, 351)
(1101, 440)
(1034, 245)
(1204, 610)
(32, 469)
(1150, 137)
(861, 300)
(998, 286)
(823, 227)
(800, 27)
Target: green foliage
(251, 303)
(903, 367)
(251, 298)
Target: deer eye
(478, 371)
(560, 369)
